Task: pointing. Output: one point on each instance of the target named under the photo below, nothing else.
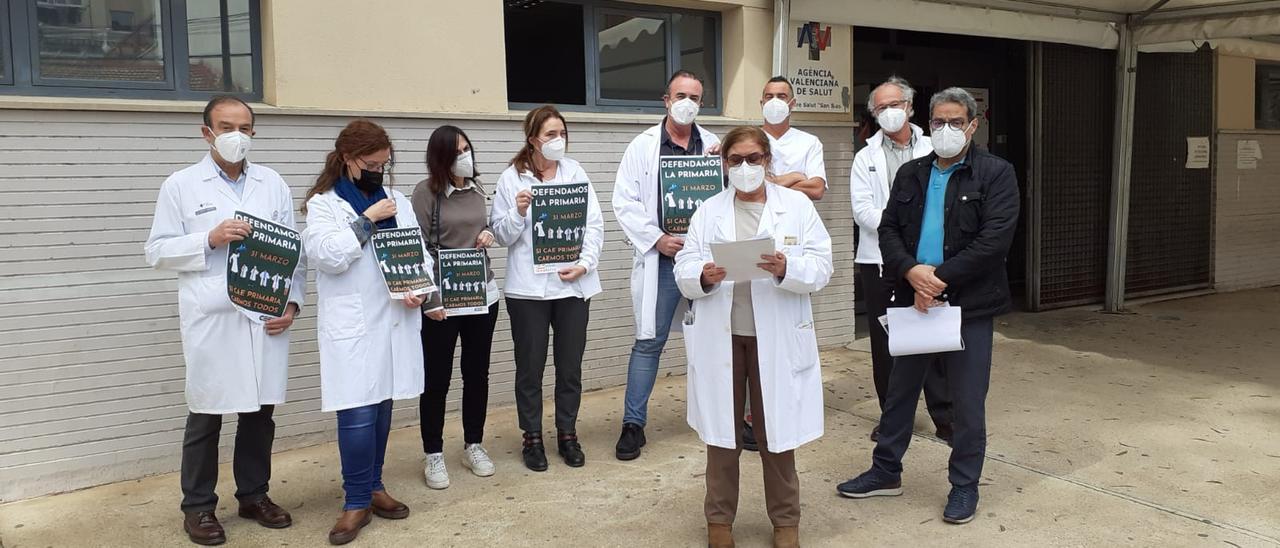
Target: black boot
(570, 449)
(749, 438)
(630, 442)
(535, 456)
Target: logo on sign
(816, 37)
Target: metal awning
(1243, 26)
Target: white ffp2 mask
(232, 146)
(746, 177)
(684, 111)
(949, 142)
(465, 165)
(776, 111)
(554, 149)
(892, 119)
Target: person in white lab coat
(234, 364)
(755, 336)
(370, 351)
(560, 301)
(897, 142)
(798, 163)
(637, 206)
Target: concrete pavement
(1156, 428)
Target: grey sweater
(463, 216)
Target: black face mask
(369, 181)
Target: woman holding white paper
(370, 352)
(559, 300)
(756, 335)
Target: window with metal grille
(1268, 96)
(182, 49)
(603, 55)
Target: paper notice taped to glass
(913, 332)
(740, 259)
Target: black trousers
(877, 293)
(968, 376)
(251, 463)
(439, 339)
(530, 320)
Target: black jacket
(981, 216)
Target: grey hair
(955, 95)
(908, 93)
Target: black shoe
(570, 449)
(962, 504)
(535, 455)
(944, 433)
(870, 484)
(749, 438)
(630, 442)
(875, 433)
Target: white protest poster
(1197, 152)
(1248, 152)
(820, 66)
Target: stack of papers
(740, 259)
(913, 332)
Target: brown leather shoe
(203, 528)
(786, 537)
(386, 507)
(349, 525)
(719, 535)
(266, 513)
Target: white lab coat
(635, 205)
(790, 379)
(370, 344)
(515, 231)
(233, 366)
(869, 183)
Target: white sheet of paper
(1248, 152)
(912, 332)
(739, 259)
(1197, 152)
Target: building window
(182, 49)
(620, 61)
(1268, 96)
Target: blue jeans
(362, 445)
(642, 370)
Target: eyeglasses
(902, 104)
(958, 124)
(378, 166)
(736, 159)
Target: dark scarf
(360, 201)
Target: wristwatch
(366, 225)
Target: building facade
(100, 101)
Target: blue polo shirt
(932, 229)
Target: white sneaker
(477, 460)
(436, 473)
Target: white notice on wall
(1197, 152)
(1248, 152)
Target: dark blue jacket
(982, 206)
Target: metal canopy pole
(781, 24)
(1121, 168)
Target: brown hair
(746, 133)
(359, 138)
(532, 127)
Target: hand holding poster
(686, 182)
(260, 268)
(464, 289)
(559, 216)
(403, 262)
